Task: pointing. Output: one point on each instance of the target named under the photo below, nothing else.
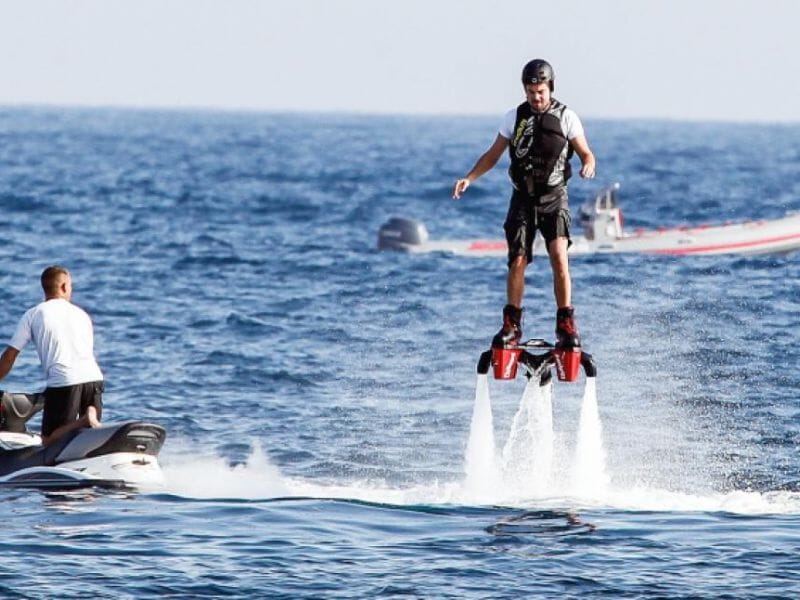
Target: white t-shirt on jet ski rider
(64, 338)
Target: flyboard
(525, 466)
(505, 359)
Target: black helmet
(538, 71)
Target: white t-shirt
(64, 339)
(571, 124)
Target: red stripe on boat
(482, 246)
(730, 246)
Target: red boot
(511, 332)
(567, 335)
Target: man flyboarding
(541, 135)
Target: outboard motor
(401, 234)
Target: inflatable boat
(601, 223)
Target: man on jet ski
(64, 339)
(541, 135)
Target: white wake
(525, 474)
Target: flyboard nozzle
(568, 363)
(505, 359)
(505, 362)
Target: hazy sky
(700, 59)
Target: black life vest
(539, 150)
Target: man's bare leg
(559, 262)
(511, 331)
(567, 335)
(89, 419)
(515, 285)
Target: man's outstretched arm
(7, 360)
(485, 163)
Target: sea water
(320, 396)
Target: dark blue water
(318, 393)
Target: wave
(196, 474)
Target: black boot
(511, 332)
(567, 335)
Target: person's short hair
(51, 277)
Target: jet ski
(118, 455)
(601, 220)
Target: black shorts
(548, 213)
(65, 404)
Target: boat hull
(749, 238)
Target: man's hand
(581, 147)
(460, 187)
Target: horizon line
(243, 109)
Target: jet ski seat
(17, 409)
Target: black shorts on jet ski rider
(540, 151)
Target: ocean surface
(319, 394)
